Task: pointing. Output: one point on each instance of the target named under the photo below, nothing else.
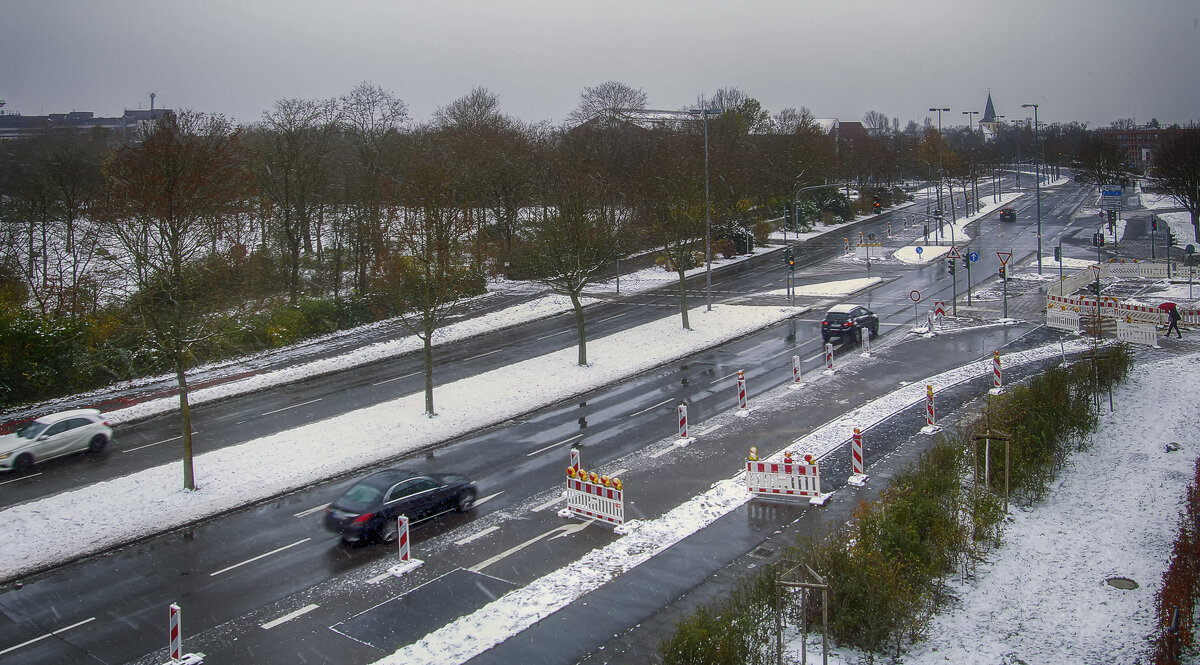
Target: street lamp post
(1037, 181)
(998, 188)
(705, 112)
(974, 188)
(941, 171)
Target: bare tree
(609, 101)
(1101, 162)
(1177, 170)
(165, 199)
(876, 123)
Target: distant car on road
(369, 509)
(53, 436)
(849, 320)
(1008, 215)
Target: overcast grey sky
(1087, 60)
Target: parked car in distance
(369, 509)
(1008, 215)
(53, 436)
(849, 320)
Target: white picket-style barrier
(1137, 333)
(595, 500)
(1063, 319)
(784, 479)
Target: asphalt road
(237, 574)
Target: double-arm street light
(941, 172)
(705, 112)
(1037, 180)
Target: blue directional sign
(919, 250)
(974, 256)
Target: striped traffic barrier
(683, 429)
(996, 384)
(930, 417)
(866, 341)
(784, 480)
(847, 241)
(175, 648)
(796, 370)
(856, 460)
(594, 497)
(828, 356)
(407, 563)
(575, 459)
(741, 385)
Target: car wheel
(97, 443)
(23, 463)
(465, 502)
(389, 532)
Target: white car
(53, 436)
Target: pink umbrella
(1167, 306)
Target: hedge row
(1180, 585)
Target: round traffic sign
(915, 295)
(1191, 249)
(870, 236)
(919, 250)
(974, 256)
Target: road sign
(1112, 190)
(1004, 257)
(974, 256)
(953, 253)
(920, 250)
(915, 295)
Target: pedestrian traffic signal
(1001, 272)
(950, 267)
(1098, 239)
(1172, 240)
(1058, 254)
(877, 204)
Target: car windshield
(360, 498)
(31, 430)
(836, 317)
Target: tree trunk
(189, 480)
(579, 327)
(683, 298)
(427, 356)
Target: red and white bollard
(847, 240)
(856, 460)
(741, 384)
(575, 459)
(828, 356)
(996, 384)
(889, 228)
(175, 649)
(930, 418)
(402, 538)
(866, 341)
(796, 370)
(682, 424)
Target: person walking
(1174, 317)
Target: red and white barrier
(930, 418)
(997, 385)
(847, 245)
(789, 479)
(857, 478)
(594, 497)
(683, 432)
(741, 385)
(575, 458)
(407, 563)
(175, 648)
(828, 357)
(866, 342)
(796, 380)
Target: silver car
(53, 436)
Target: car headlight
(5, 455)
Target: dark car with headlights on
(1008, 215)
(369, 509)
(848, 321)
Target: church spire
(989, 111)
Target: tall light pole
(707, 250)
(941, 172)
(998, 188)
(974, 188)
(1037, 181)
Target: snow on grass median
(92, 518)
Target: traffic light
(1058, 254)
(1098, 239)
(950, 267)
(787, 215)
(1172, 241)
(1001, 272)
(1153, 223)
(877, 211)
(1112, 215)
(791, 263)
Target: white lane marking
(488, 497)
(310, 511)
(379, 578)
(554, 445)
(395, 378)
(482, 355)
(718, 380)
(665, 401)
(289, 616)
(174, 438)
(292, 406)
(477, 536)
(662, 452)
(561, 332)
(50, 634)
(260, 556)
(15, 480)
(609, 318)
(551, 502)
(563, 530)
(617, 472)
(816, 357)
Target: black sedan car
(848, 321)
(369, 509)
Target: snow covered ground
(1042, 597)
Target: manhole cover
(1122, 583)
(762, 552)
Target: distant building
(1139, 143)
(990, 123)
(14, 126)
